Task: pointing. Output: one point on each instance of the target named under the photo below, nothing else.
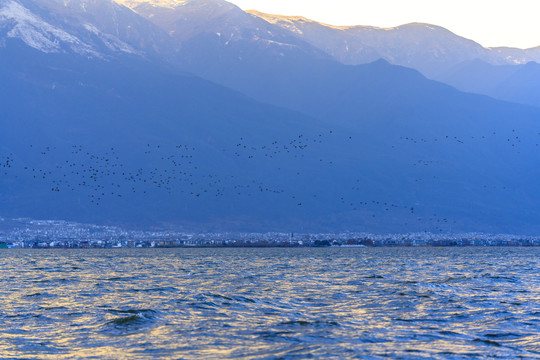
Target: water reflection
(277, 303)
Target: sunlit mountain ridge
(428, 48)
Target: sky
(512, 23)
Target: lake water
(298, 303)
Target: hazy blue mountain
(428, 48)
(77, 133)
(184, 152)
(517, 56)
(434, 51)
(516, 83)
(122, 139)
(424, 47)
(209, 34)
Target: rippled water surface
(300, 303)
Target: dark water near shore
(370, 303)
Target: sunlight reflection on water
(270, 303)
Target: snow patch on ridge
(37, 33)
(171, 4)
(113, 43)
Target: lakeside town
(29, 233)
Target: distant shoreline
(273, 246)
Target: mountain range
(183, 33)
(428, 48)
(504, 73)
(199, 115)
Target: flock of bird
(5, 162)
(513, 140)
(114, 173)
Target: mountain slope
(377, 147)
(113, 142)
(82, 143)
(516, 83)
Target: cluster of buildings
(28, 233)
